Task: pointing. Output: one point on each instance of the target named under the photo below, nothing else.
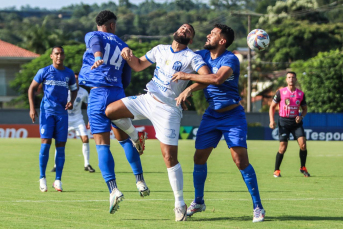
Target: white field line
(74, 201)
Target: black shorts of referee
(287, 126)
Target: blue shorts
(98, 100)
(232, 124)
(53, 126)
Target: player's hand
(97, 64)
(272, 125)
(298, 119)
(33, 115)
(69, 106)
(88, 126)
(126, 53)
(184, 105)
(179, 76)
(183, 96)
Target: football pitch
(291, 201)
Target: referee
(290, 99)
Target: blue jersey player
(224, 116)
(107, 73)
(53, 120)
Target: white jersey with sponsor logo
(76, 114)
(169, 62)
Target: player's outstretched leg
(133, 158)
(199, 178)
(43, 161)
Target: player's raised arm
(137, 64)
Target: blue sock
(111, 184)
(106, 162)
(43, 158)
(59, 160)
(133, 158)
(199, 178)
(249, 177)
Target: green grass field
(292, 201)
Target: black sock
(278, 160)
(111, 185)
(303, 156)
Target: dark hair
(227, 33)
(56, 47)
(76, 73)
(104, 16)
(192, 29)
(292, 73)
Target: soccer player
(290, 99)
(76, 123)
(105, 71)
(159, 105)
(224, 116)
(53, 120)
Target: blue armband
(98, 58)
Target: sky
(55, 4)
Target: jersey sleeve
(72, 82)
(126, 75)
(39, 77)
(85, 98)
(277, 97)
(303, 102)
(197, 62)
(231, 62)
(95, 44)
(151, 55)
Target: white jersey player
(159, 103)
(77, 124)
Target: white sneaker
(142, 188)
(115, 197)
(57, 185)
(42, 185)
(140, 143)
(194, 208)
(258, 215)
(181, 213)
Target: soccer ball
(258, 40)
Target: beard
(181, 39)
(209, 46)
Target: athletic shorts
(287, 126)
(79, 127)
(98, 100)
(165, 118)
(53, 126)
(232, 124)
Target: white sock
(176, 181)
(125, 125)
(85, 151)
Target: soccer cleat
(181, 213)
(115, 197)
(303, 170)
(142, 188)
(194, 208)
(89, 168)
(53, 169)
(57, 185)
(42, 185)
(140, 143)
(277, 173)
(258, 215)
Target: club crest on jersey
(297, 102)
(287, 102)
(67, 79)
(78, 99)
(299, 93)
(168, 62)
(214, 70)
(177, 66)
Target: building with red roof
(11, 58)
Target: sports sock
(249, 177)
(55, 158)
(278, 160)
(111, 184)
(125, 125)
(199, 178)
(132, 157)
(85, 152)
(303, 156)
(106, 162)
(176, 181)
(43, 158)
(60, 159)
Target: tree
(321, 78)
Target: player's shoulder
(229, 56)
(83, 91)
(203, 52)
(46, 70)
(68, 71)
(162, 47)
(300, 92)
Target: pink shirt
(289, 102)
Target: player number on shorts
(116, 58)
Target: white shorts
(79, 127)
(165, 119)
